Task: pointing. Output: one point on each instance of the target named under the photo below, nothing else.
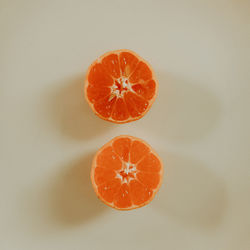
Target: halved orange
(126, 173)
(120, 86)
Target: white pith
(127, 168)
(124, 81)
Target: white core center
(120, 86)
(127, 173)
(124, 82)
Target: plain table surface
(199, 124)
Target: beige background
(199, 124)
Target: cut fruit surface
(120, 86)
(126, 173)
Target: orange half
(120, 86)
(126, 173)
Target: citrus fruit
(120, 86)
(126, 173)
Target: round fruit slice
(120, 86)
(126, 173)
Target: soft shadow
(61, 202)
(70, 113)
(73, 200)
(191, 193)
(183, 111)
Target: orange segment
(98, 77)
(105, 106)
(120, 111)
(139, 103)
(139, 193)
(122, 147)
(145, 90)
(108, 159)
(128, 63)
(120, 86)
(103, 175)
(149, 163)
(122, 197)
(142, 73)
(96, 94)
(111, 64)
(150, 180)
(138, 150)
(108, 190)
(131, 106)
(126, 173)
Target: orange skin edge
(130, 119)
(93, 172)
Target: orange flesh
(120, 86)
(126, 173)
